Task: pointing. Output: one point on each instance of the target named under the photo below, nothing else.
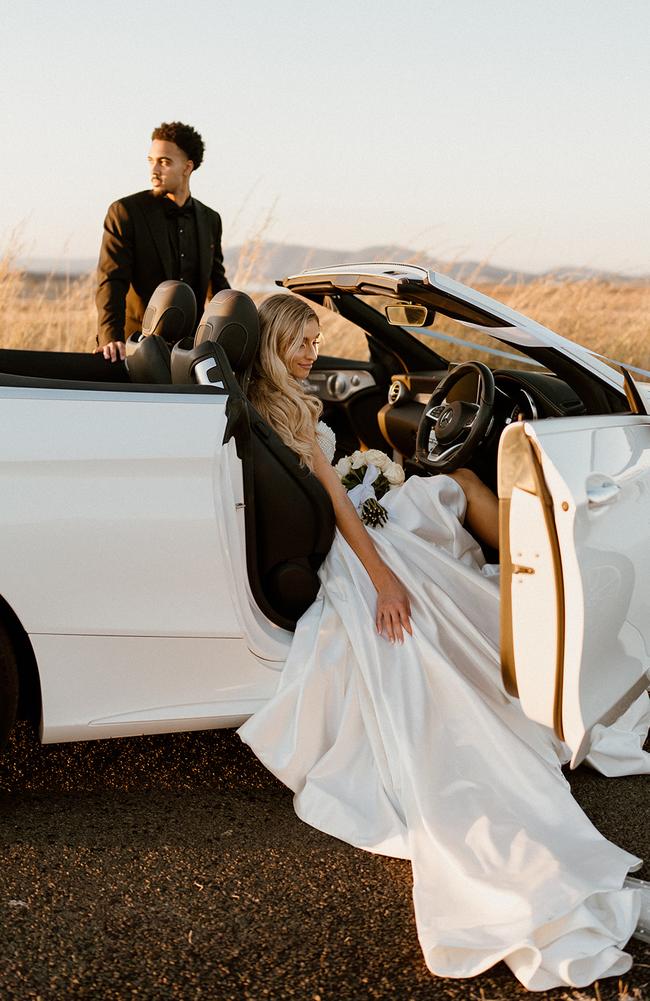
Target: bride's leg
(482, 515)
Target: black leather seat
(293, 523)
(288, 514)
(169, 317)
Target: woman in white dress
(393, 730)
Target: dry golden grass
(608, 317)
(55, 314)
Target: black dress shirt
(183, 243)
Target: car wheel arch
(16, 646)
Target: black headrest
(231, 319)
(148, 359)
(171, 312)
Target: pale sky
(511, 131)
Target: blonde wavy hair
(274, 391)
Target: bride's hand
(393, 608)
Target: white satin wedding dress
(415, 751)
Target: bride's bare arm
(393, 607)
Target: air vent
(396, 392)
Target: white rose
(394, 474)
(343, 466)
(358, 459)
(373, 457)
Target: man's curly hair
(185, 137)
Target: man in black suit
(156, 235)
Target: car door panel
(535, 581)
(575, 552)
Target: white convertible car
(158, 542)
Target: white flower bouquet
(367, 476)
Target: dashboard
(519, 395)
(363, 402)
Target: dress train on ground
(416, 751)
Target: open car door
(574, 499)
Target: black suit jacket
(135, 258)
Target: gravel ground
(174, 867)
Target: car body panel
(109, 507)
(118, 686)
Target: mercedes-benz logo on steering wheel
(445, 417)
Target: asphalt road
(174, 867)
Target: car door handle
(601, 490)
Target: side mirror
(409, 314)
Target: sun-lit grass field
(612, 318)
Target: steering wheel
(449, 432)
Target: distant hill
(276, 260)
(260, 264)
(74, 267)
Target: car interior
(399, 385)
(402, 396)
